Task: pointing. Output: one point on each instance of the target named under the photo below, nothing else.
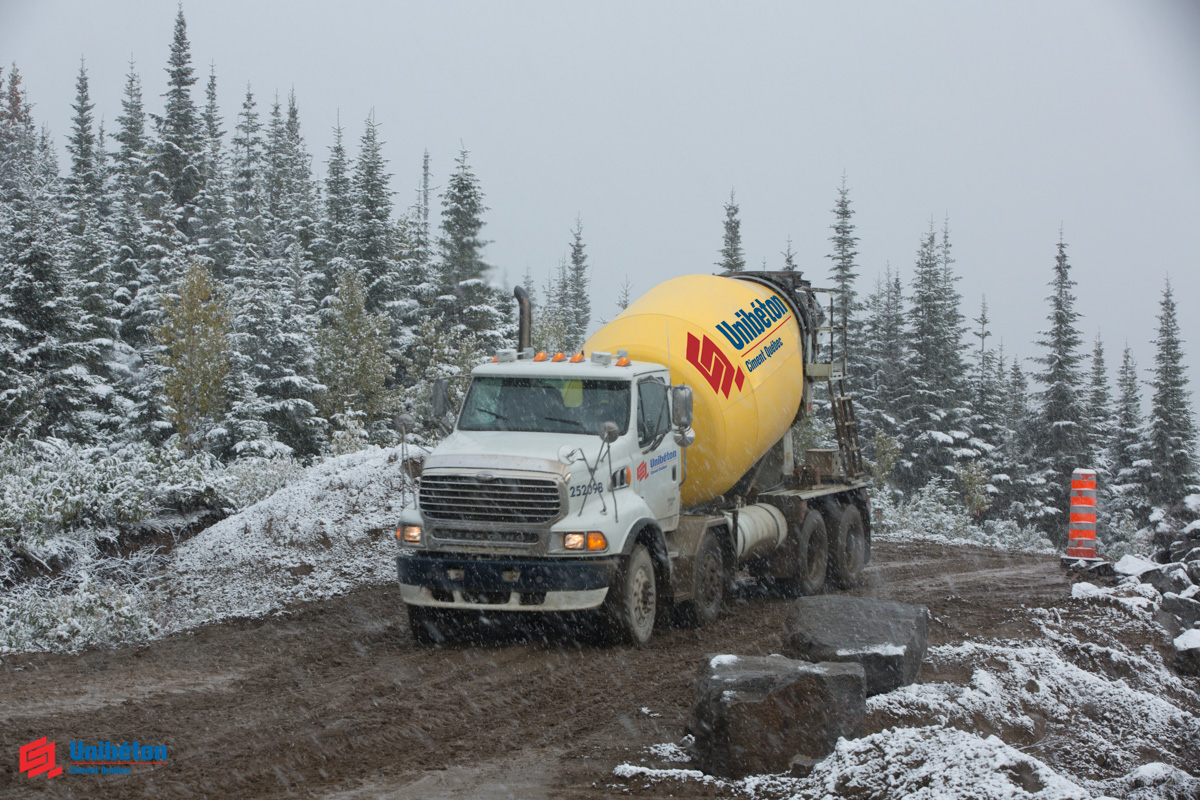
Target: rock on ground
(888, 639)
(759, 714)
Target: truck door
(658, 471)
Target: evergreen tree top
(733, 258)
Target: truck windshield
(551, 405)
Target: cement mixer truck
(633, 479)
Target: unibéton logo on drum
(713, 365)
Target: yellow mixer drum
(738, 345)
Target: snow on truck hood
(536, 452)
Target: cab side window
(654, 417)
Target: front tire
(633, 600)
(711, 584)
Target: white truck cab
(535, 499)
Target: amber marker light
(577, 358)
(623, 361)
(558, 357)
(596, 541)
(540, 357)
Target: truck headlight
(409, 534)
(592, 540)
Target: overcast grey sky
(1011, 118)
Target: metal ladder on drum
(841, 406)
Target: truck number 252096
(586, 489)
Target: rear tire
(711, 584)
(632, 602)
(811, 558)
(850, 551)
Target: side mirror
(405, 423)
(609, 432)
(685, 437)
(681, 406)
(441, 397)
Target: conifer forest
(195, 307)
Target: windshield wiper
(574, 422)
(493, 413)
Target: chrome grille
(486, 537)
(510, 500)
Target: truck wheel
(711, 584)
(428, 625)
(814, 548)
(633, 601)
(850, 554)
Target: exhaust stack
(525, 321)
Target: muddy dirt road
(334, 699)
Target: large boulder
(1187, 652)
(1185, 609)
(762, 714)
(888, 639)
(1167, 578)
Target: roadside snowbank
(323, 535)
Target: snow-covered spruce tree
(84, 185)
(1172, 426)
(578, 296)
(352, 360)
(133, 281)
(1018, 483)
(551, 321)
(1128, 462)
(733, 258)
(332, 249)
(936, 436)
(215, 226)
(844, 273)
(789, 257)
(194, 335)
(882, 385)
(1059, 430)
(177, 166)
(468, 300)
(372, 243)
(46, 384)
(986, 423)
(248, 202)
(1098, 416)
(89, 245)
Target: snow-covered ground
(324, 535)
(328, 531)
(1075, 713)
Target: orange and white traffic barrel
(1081, 528)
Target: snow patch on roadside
(324, 535)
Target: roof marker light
(540, 357)
(559, 357)
(577, 358)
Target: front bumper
(508, 584)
